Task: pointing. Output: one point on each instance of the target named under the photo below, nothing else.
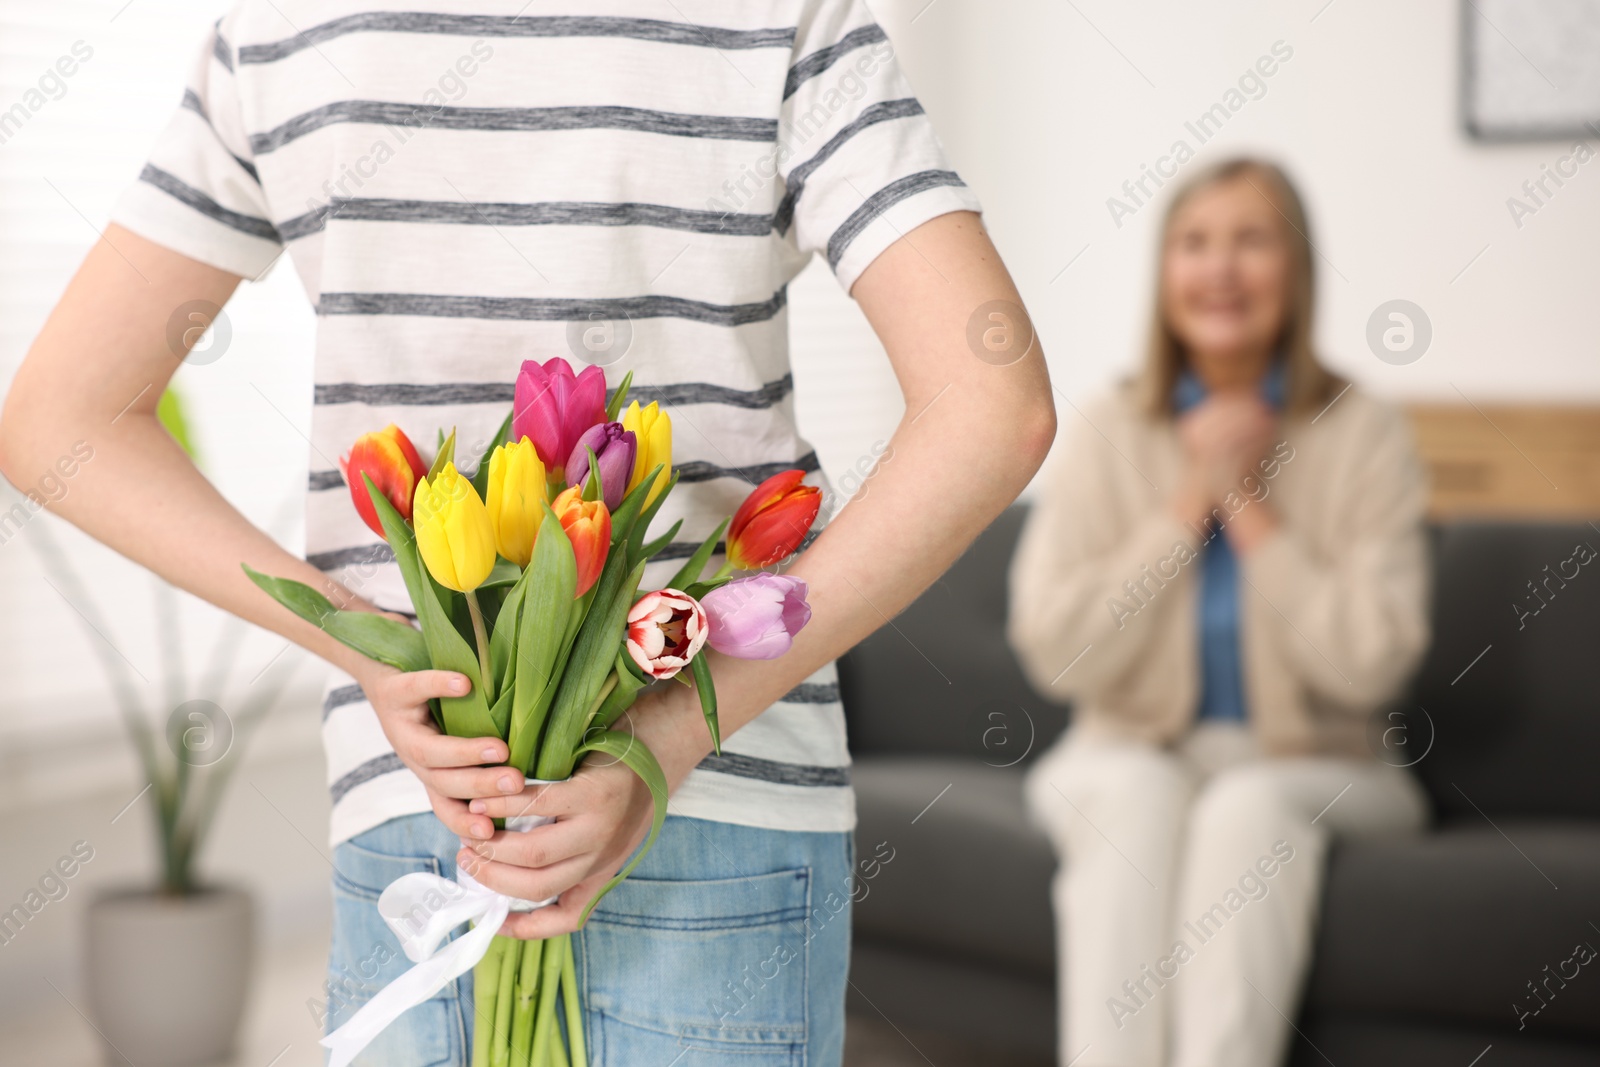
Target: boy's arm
(94, 375)
(972, 436)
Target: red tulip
(553, 407)
(588, 526)
(390, 459)
(772, 521)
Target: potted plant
(168, 964)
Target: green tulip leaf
(466, 716)
(504, 575)
(619, 398)
(652, 547)
(636, 535)
(627, 512)
(695, 564)
(547, 602)
(708, 699)
(447, 454)
(590, 661)
(374, 636)
(632, 752)
(629, 681)
(592, 487)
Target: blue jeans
(728, 946)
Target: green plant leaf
(446, 454)
(374, 636)
(636, 535)
(172, 413)
(500, 714)
(632, 752)
(547, 602)
(695, 564)
(466, 716)
(503, 574)
(592, 488)
(622, 695)
(650, 548)
(503, 638)
(703, 685)
(627, 512)
(480, 477)
(619, 398)
(593, 654)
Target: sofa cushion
(1509, 692)
(940, 678)
(969, 878)
(1397, 1041)
(1455, 924)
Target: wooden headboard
(1511, 462)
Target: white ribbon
(422, 909)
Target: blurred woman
(1226, 573)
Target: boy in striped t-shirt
(465, 185)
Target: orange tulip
(390, 459)
(772, 521)
(588, 527)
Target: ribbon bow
(422, 909)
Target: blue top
(1221, 672)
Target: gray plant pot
(167, 975)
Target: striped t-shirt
(463, 186)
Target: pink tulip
(666, 629)
(553, 407)
(756, 617)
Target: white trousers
(1189, 889)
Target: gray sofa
(1426, 949)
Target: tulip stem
(722, 571)
(481, 633)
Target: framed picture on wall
(1530, 69)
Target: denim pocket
(716, 969)
(366, 956)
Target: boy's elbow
(1038, 429)
(1030, 428)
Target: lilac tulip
(615, 448)
(553, 407)
(756, 617)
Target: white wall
(1046, 120)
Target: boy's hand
(453, 769)
(602, 814)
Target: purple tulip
(756, 617)
(553, 407)
(615, 448)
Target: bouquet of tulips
(525, 578)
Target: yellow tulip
(516, 490)
(454, 536)
(652, 430)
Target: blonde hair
(1308, 382)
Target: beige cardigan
(1333, 615)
